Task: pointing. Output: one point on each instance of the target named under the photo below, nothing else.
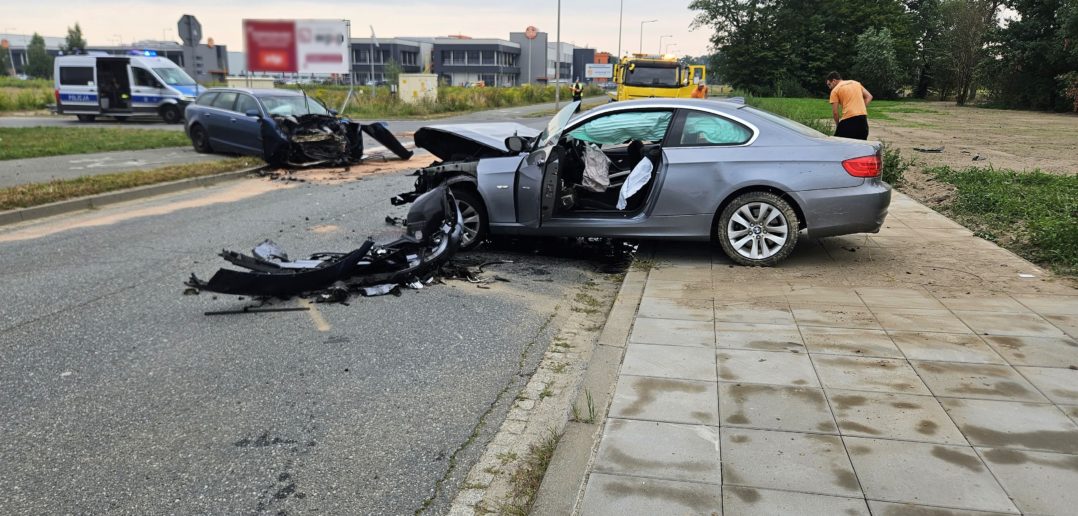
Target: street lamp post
(621, 17)
(661, 38)
(642, 33)
(668, 45)
(557, 64)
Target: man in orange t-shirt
(849, 107)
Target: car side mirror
(333, 112)
(515, 144)
(253, 113)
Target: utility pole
(557, 64)
(374, 43)
(642, 33)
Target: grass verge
(820, 109)
(527, 478)
(1033, 214)
(24, 196)
(35, 142)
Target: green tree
(969, 23)
(5, 62)
(74, 43)
(392, 71)
(875, 64)
(39, 61)
(1034, 53)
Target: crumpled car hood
(458, 142)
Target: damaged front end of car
(433, 234)
(321, 140)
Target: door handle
(233, 120)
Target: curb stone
(97, 201)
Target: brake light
(865, 166)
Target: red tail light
(56, 93)
(865, 166)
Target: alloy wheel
(757, 230)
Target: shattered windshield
(554, 128)
(174, 76)
(293, 105)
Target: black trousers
(855, 127)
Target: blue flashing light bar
(146, 53)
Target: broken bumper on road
(433, 234)
(313, 140)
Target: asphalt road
(120, 396)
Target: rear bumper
(842, 211)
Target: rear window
(76, 75)
(786, 122)
(206, 98)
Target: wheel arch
(802, 223)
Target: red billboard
(271, 45)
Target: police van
(122, 86)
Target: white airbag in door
(639, 177)
(596, 169)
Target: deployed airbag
(623, 127)
(596, 169)
(639, 177)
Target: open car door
(536, 182)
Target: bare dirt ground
(1018, 140)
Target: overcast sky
(592, 23)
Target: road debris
(934, 150)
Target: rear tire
(200, 140)
(86, 118)
(170, 114)
(758, 229)
(474, 214)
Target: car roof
(260, 92)
(726, 105)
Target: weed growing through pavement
(592, 416)
(527, 478)
(547, 391)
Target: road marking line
(320, 322)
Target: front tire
(758, 229)
(86, 118)
(474, 214)
(200, 140)
(170, 114)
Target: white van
(89, 86)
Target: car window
(144, 78)
(708, 129)
(245, 103)
(293, 105)
(785, 122)
(225, 100)
(206, 98)
(619, 128)
(77, 75)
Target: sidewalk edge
(563, 483)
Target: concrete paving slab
(967, 301)
(926, 474)
(979, 381)
(868, 374)
(834, 316)
(1049, 304)
(826, 296)
(1058, 384)
(751, 500)
(945, 347)
(763, 337)
(1071, 411)
(775, 407)
(905, 509)
(849, 341)
(691, 289)
(669, 362)
(1067, 323)
(754, 312)
(1023, 324)
(687, 309)
(1008, 424)
(898, 298)
(665, 399)
(1039, 482)
(617, 495)
(681, 273)
(673, 332)
(1036, 351)
(811, 463)
(893, 416)
(661, 450)
(917, 319)
(767, 367)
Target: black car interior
(574, 198)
